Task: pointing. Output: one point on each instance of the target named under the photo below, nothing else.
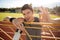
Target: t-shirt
(34, 32)
(31, 31)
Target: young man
(28, 12)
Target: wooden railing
(39, 23)
(1, 38)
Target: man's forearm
(11, 19)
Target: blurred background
(12, 7)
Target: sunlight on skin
(44, 15)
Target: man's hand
(44, 15)
(18, 24)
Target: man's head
(27, 11)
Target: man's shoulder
(36, 19)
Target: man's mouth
(27, 19)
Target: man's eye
(28, 12)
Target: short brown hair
(26, 6)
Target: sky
(20, 3)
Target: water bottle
(17, 34)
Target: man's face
(27, 13)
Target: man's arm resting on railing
(17, 23)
